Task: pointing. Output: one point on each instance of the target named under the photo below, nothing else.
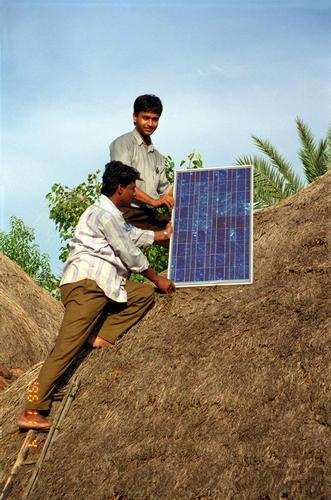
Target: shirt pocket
(157, 171)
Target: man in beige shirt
(137, 150)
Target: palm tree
(274, 177)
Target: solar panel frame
(223, 282)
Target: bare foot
(31, 419)
(95, 341)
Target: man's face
(146, 122)
(127, 193)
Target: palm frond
(269, 186)
(322, 159)
(314, 156)
(306, 136)
(293, 182)
(308, 151)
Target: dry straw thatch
(30, 317)
(219, 393)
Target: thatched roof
(30, 317)
(218, 393)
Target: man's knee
(139, 293)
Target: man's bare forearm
(152, 275)
(163, 284)
(164, 200)
(144, 197)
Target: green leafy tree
(19, 245)
(274, 176)
(67, 204)
(194, 160)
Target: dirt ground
(219, 393)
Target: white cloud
(224, 70)
(216, 68)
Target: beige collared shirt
(131, 150)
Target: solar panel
(212, 240)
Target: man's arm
(164, 284)
(141, 237)
(123, 238)
(164, 200)
(120, 150)
(164, 234)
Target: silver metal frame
(216, 283)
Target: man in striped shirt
(101, 303)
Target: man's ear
(134, 116)
(120, 189)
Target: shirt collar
(105, 203)
(140, 140)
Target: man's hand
(165, 285)
(164, 200)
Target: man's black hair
(117, 173)
(148, 102)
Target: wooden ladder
(30, 442)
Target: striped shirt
(105, 249)
(131, 150)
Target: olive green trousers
(87, 310)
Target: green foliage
(169, 167)
(157, 257)
(18, 244)
(194, 161)
(67, 204)
(274, 177)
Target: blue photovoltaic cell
(212, 227)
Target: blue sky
(70, 71)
